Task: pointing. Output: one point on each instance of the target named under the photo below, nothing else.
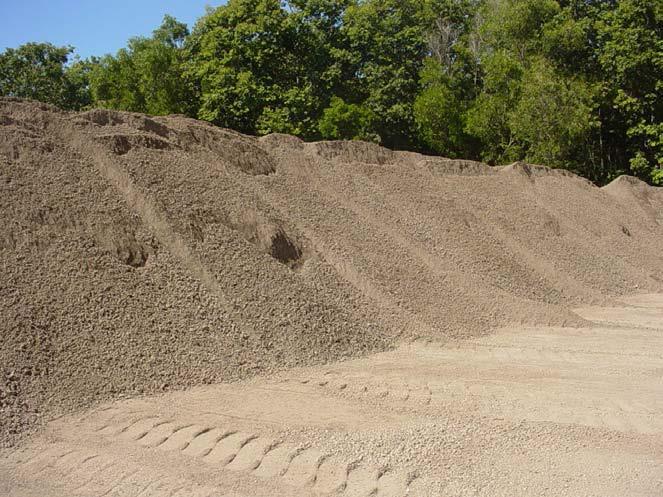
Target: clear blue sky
(93, 27)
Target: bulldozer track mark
(249, 453)
(166, 438)
(151, 429)
(93, 477)
(203, 443)
(175, 491)
(276, 460)
(78, 465)
(226, 449)
(158, 481)
(381, 390)
(36, 455)
(181, 439)
(54, 462)
(361, 482)
(159, 434)
(332, 475)
(96, 413)
(303, 467)
(118, 424)
(119, 482)
(139, 429)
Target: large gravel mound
(140, 254)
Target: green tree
(343, 121)
(630, 53)
(449, 79)
(147, 75)
(517, 25)
(387, 42)
(554, 118)
(266, 66)
(438, 113)
(41, 71)
(488, 117)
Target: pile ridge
(141, 254)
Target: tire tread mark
(165, 439)
(119, 482)
(161, 423)
(54, 462)
(223, 434)
(36, 455)
(303, 468)
(249, 439)
(227, 448)
(93, 476)
(251, 454)
(331, 476)
(110, 422)
(198, 433)
(283, 454)
(123, 430)
(79, 465)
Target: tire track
(247, 453)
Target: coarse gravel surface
(143, 255)
(531, 411)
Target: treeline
(571, 83)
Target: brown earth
(527, 411)
(141, 254)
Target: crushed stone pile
(141, 254)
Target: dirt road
(523, 412)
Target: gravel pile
(145, 254)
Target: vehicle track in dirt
(525, 411)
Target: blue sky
(92, 27)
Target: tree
(439, 113)
(553, 119)
(449, 79)
(567, 83)
(343, 121)
(630, 53)
(264, 66)
(517, 25)
(488, 117)
(147, 75)
(387, 41)
(446, 23)
(40, 71)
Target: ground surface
(526, 411)
(141, 255)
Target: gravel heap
(143, 254)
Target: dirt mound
(141, 254)
(439, 166)
(633, 193)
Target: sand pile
(142, 254)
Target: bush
(343, 121)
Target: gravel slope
(531, 411)
(145, 254)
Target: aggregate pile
(142, 254)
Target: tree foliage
(40, 71)
(567, 83)
(147, 75)
(631, 52)
(343, 121)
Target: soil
(536, 411)
(142, 255)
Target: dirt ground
(263, 316)
(526, 411)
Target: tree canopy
(574, 84)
